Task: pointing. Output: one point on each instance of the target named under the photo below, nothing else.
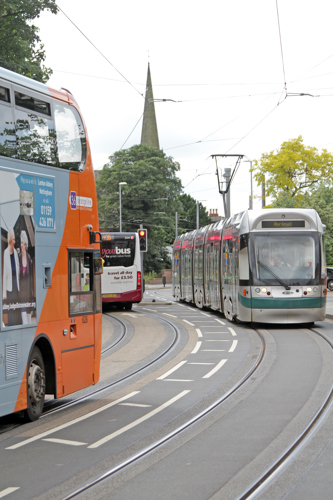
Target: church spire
(149, 134)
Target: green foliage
(20, 47)
(150, 198)
(294, 170)
(187, 217)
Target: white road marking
(146, 309)
(72, 422)
(64, 441)
(214, 370)
(135, 404)
(233, 346)
(219, 321)
(172, 315)
(172, 370)
(217, 340)
(176, 380)
(7, 491)
(232, 331)
(199, 332)
(185, 321)
(133, 315)
(201, 363)
(205, 314)
(138, 421)
(197, 347)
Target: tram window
(71, 139)
(7, 132)
(81, 283)
(289, 256)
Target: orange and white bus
(122, 276)
(50, 331)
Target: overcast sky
(223, 62)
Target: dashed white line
(199, 332)
(172, 370)
(64, 441)
(176, 380)
(197, 347)
(233, 346)
(7, 491)
(185, 321)
(72, 422)
(139, 420)
(232, 331)
(200, 363)
(135, 404)
(172, 315)
(219, 321)
(214, 370)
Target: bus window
(35, 136)
(71, 139)
(7, 125)
(81, 272)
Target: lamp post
(120, 184)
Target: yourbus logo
(115, 251)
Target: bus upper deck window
(71, 139)
(4, 94)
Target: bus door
(79, 353)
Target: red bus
(50, 339)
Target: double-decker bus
(122, 276)
(50, 329)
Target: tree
(294, 170)
(20, 47)
(187, 217)
(150, 198)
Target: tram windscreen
(119, 252)
(285, 256)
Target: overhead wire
(101, 53)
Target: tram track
(156, 444)
(108, 350)
(263, 482)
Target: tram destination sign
(282, 223)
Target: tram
(262, 266)
(122, 276)
(50, 341)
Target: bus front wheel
(36, 386)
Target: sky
(235, 70)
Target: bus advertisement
(122, 276)
(50, 331)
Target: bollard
(164, 280)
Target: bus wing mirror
(98, 265)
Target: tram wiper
(287, 287)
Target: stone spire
(149, 134)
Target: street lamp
(120, 184)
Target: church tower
(149, 134)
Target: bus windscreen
(119, 252)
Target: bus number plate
(106, 295)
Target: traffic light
(143, 240)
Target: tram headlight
(264, 290)
(257, 290)
(315, 289)
(309, 289)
